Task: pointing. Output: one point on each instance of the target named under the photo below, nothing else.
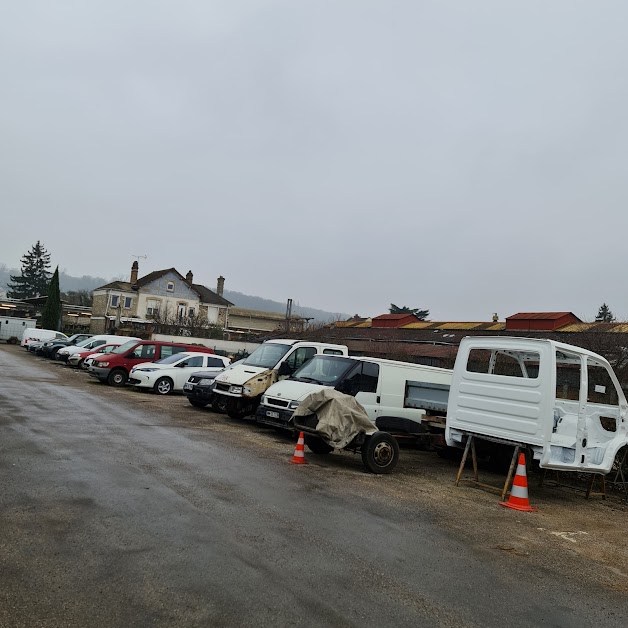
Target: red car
(114, 368)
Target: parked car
(49, 348)
(32, 335)
(199, 389)
(92, 343)
(169, 374)
(84, 358)
(115, 367)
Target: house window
(191, 312)
(170, 286)
(115, 300)
(152, 307)
(128, 301)
(180, 310)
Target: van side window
(370, 376)
(177, 349)
(300, 357)
(506, 363)
(363, 377)
(567, 376)
(145, 352)
(332, 351)
(166, 351)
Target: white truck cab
(240, 388)
(380, 386)
(563, 401)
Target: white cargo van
(31, 334)
(239, 388)
(12, 328)
(379, 385)
(92, 342)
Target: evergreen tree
(604, 315)
(35, 277)
(419, 313)
(51, 316)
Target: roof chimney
(189, 278)
(220, 287)
(134, 270)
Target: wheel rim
(383, 454)
(118, 378)
(163, 387)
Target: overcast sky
(467, 157)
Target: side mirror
(284, 369)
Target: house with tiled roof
(162, 294)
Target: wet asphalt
(114, 516)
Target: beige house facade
(163, 295)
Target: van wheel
(117, 377)
(317, 445)
(163, 386)
(236, 409)
(380, 453)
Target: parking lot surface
(123, 508)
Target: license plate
(272, 415)
(187, 387)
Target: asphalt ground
(122, 508)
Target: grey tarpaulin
(340, 416)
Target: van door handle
(377, 399)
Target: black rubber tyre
(117, 377)
(380, 453)
(79, 364)
(196, 403)
(317, 445)
(163, 386)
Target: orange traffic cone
(299, 451)
(518, 498)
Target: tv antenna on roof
(140, 257)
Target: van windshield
(84, 342)
(267, 355)
(127, 346)
(323, 369)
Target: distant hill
(69, 283)
(249, 302)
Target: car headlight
(263, 400)
(235, 390)
(146, 370)
(206, 381)
(293, 405)
(101, 364)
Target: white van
(379, 385)
(92, 343)
(239, 388)
(12, 328)
(40, 335)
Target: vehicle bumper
(198, 392)
(141, 380)
(73, 360)
(277, 417)
(99, 372)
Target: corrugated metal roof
(418, 325)
(617, 328)
(539, 316)
(392, 317)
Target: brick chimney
(220, 287)
(189, 278)
(134, 270)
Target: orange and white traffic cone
(299, 451)
(518, 498)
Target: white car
(84, 358)
(169, 374)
